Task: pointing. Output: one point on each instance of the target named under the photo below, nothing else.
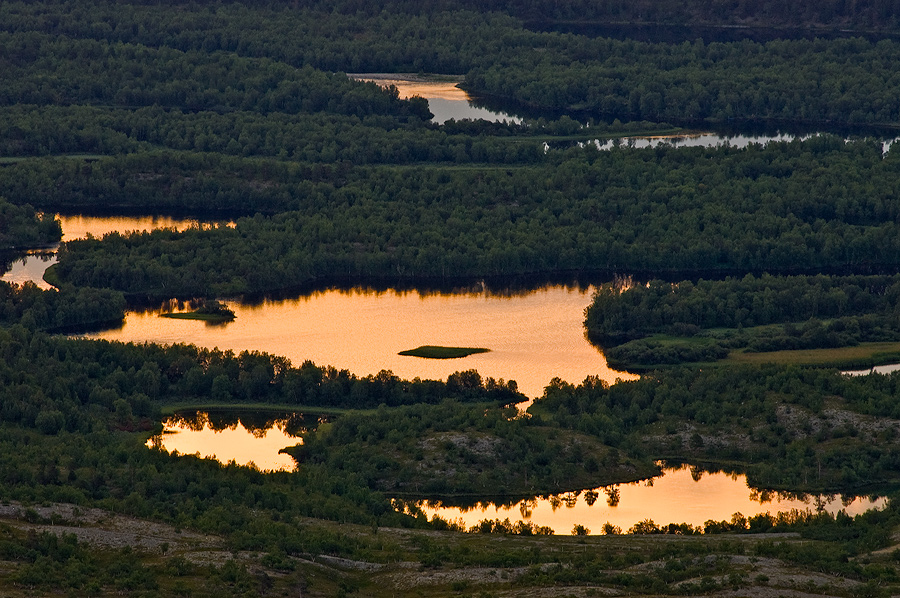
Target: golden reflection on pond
(413, 85)
(532, 336)
(245, 438)
(445, 99)
(681, 495)
(79, 226)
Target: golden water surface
(79, 226)
(234, 443)
(680, 495)
(533, 336)
(445, 99)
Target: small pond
(30, 268)
(708, 139)
(878, 369)
(680, 495)
(241, 436)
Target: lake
(533, 336)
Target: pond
(682, 494)
(30, 268)
(240, 436)
(445, 99)
(32, 265)
(533, 336)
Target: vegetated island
(436, 352)
(210, 311)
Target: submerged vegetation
(435, 352)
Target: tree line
(710, 318)
(21, 227)
(803, 205)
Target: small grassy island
(435, 352)
(209, 311)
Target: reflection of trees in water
(195, 422)
(818, 501)
(696, 473)
(258, 423)
(612, 495)
(527, 506)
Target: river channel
(446, 101)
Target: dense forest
(661, 322)
(21, 227)
(803, 205)
(244, 111)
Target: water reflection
(241, 436)
(33, 264)
(79, 226)
(445, 99)
(878, 369)
(29, 268)
(533, 336)
(707, 139)
(682, 494)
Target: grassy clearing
(862, 355)
(436, 352)
(51, 276)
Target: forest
(718, 265)
(820, 204)
(662, 322)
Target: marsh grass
(194, 315)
